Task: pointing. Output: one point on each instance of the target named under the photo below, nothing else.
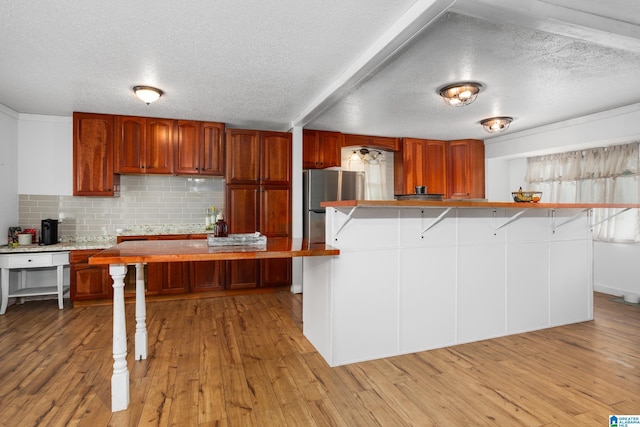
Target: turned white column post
(141, 315)
(120, 377)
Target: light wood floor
(243, 360)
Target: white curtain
(598, 175)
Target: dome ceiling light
(496, 124)
(460, 94)
(147, 93)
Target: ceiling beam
(554, 19)
(412, 23)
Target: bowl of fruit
(521, 196)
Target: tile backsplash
(144, 200)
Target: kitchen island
(418, 275)
(147, 251)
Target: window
(598, 175)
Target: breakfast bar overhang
(140, 252)
(417, 275)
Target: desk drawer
(33, 260)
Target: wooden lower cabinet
(265, 273)
(206, 276)
(275, 272)
(165, 278)
(93, 282)
(242, 274)
(88, 282)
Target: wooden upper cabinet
(242, 156)
(424, 162)
(255, 157)
(93, 167)
(159, 147)
(130, 137)
(187, 147)
(379, 142)
(212, 149)
(276, 153)
(198, 148)
(144, 145)
(466, 179)
(321, 149)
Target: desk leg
(4, 281)
(141, 315)
(60, 272)
(120, 377)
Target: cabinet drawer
(34, 260)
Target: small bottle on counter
(221, 229)
(212, 212)
(207, 219)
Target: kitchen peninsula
(418, 275)
(139, 252)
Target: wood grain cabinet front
(88, 282)
(379, 142)
(321, 149)
(421, 162)
(144, 145)
(199, 148)
(258, 172)
(93, 156)
(466, 178)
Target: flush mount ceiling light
(460, 94)
(147, 93)
(496, 124)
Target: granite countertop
(85, 242)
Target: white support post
(60, 274)
(141, 315)
(120, 376)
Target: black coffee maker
(49, 231)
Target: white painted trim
(411, 23)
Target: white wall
(8, 171)
(45, 155)
(616, 269)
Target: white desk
(24, 261)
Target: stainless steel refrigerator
(321, 185)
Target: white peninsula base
(412, 278)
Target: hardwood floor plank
(243, 361)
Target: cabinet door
(187, 147)
(242, 274)
(242, 156)
(87, 282)
(275, 211)
(425, 163)
(275, 272)
(276, 158)
(310, 150)
(242, 214)
(329, 148)
(466, 169)
(159, 146)
(130, 137)
(212, 149)
(206, 276)
(93, 168)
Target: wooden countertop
(141, 251)
(472, 204)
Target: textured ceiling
(360, 66)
